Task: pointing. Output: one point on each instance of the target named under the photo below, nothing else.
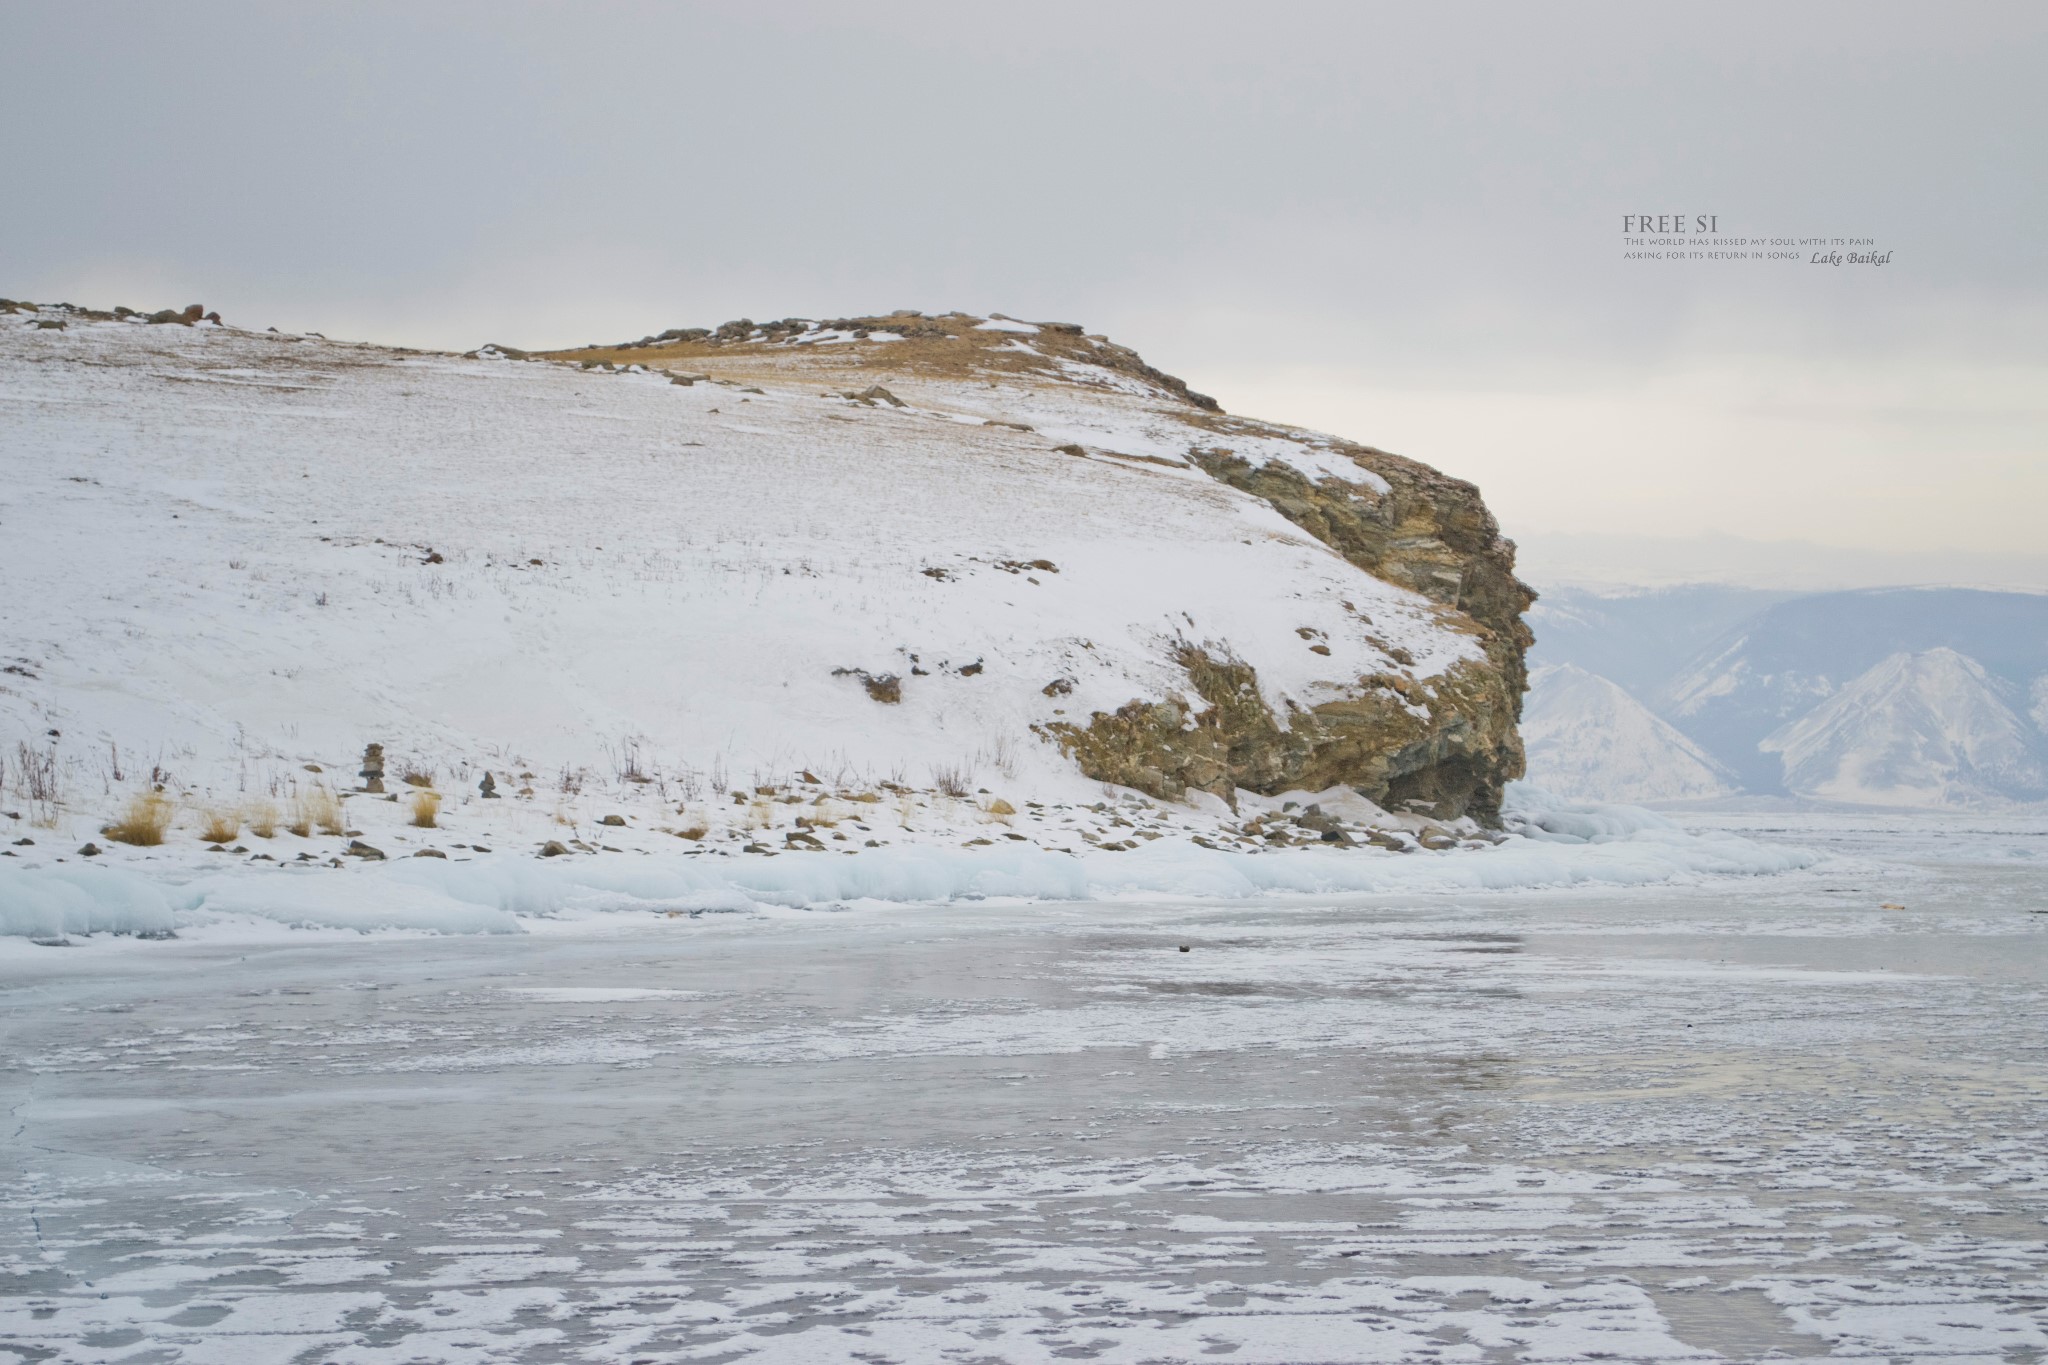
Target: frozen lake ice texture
(1747, 1119)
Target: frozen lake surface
(1755, 1118)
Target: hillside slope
(961, 552)
(1927, 729)
(1589, 739)
(1791, 657)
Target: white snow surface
(1925, 729)
(219, 548)
(1588, 738)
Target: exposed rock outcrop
(1444, 746)
(1433, 534)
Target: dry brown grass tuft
(955, 780)
(426, 805)
(143, 823)
(693, 832)
(219, 824)
(318, 809)
(262, 817)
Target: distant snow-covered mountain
(1589, 739)
(1638, 639)
(1791, 657)
(1914, 696)
(1926, 729)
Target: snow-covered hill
(1926, 729)
(894, 608)
(1589, 739)
(228, 550)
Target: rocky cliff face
(1442, 738)
(1420, 529)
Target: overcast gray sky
(1400, 222)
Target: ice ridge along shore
(1552, 843)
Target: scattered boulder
(358, 849)
(430, 853)
(1316, 819)
(554, 848)
(616, 821)
(91, 850)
